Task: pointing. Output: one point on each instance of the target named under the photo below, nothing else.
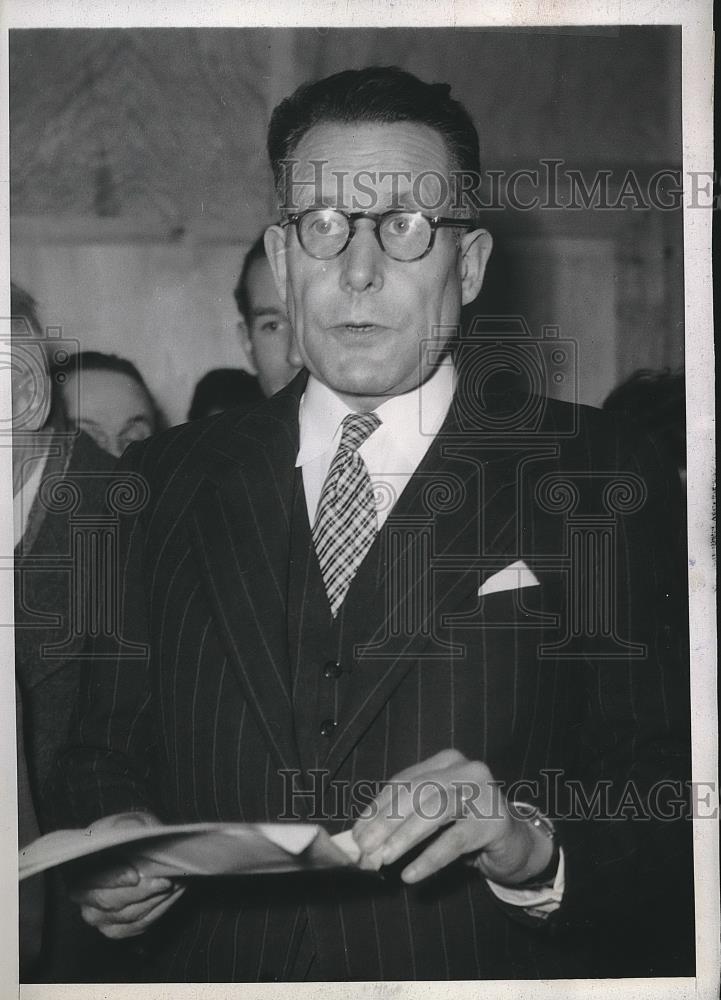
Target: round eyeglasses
(324, 233)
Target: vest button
(332, 669)
(327, 727)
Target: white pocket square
(512, 577)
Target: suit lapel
(454, 524)
(240, 529)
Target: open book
(196, 848)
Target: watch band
(532, 815)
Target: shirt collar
(415, 414)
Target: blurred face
(111, 407)
(268, 335)
(361, 319)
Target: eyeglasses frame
(435, 221)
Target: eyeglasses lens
(403, 235)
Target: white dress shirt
(392, 453)
(25, 497)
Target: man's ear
(476, 248)
(274, 240)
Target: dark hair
(223, 389)
(98, 361)
(378, 94)
(240, 292)
(657, 401)
(24, 306)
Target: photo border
(695, 18)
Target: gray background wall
(139, 178)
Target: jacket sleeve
(625, 824)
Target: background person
(106, 396)
(50, 595)
(264, 329)
(224, 389)
(656, 400)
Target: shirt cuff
(536, 902)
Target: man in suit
(267, 340)
(264, 330)
(395, 583)
(60, 505)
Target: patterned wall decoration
(160, 125)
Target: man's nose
(362, 261)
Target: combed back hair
(240, 292)
(24, 306)
(379, 95)
(98, 361)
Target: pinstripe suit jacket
(218, 695)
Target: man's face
(269, 339)
(109, 406)
(360, 318)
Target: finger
(116, 877)
(392, 806)
(417, 809)
(438, 762)
(118, 930)
(450, 757)
(123, 819)
(113, 900)
(432, 808)
(129, 914)
(452, 844)
(383, 805)
(371, 862)
(379, 804)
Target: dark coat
(224, 701)
(57, 576)
(54, 592)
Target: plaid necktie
(345, 522)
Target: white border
(695, 16)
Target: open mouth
(360, 327)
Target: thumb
(125, 875)
(117, 877)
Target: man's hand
(450, 791)
(120, 901)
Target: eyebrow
(139, 418)
(266, 311)
(404, 202)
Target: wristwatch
(533, 815)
